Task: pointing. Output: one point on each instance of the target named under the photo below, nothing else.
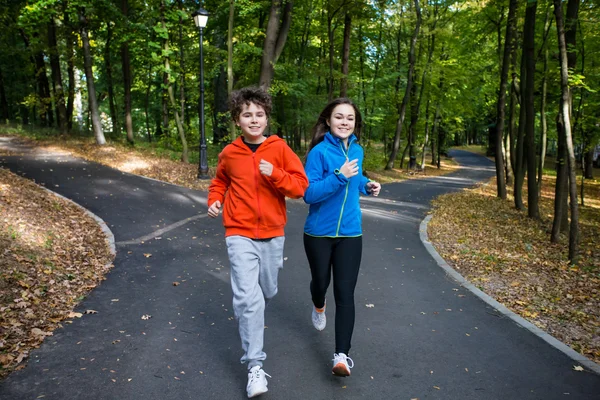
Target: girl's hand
(265, 167)
(213, 210)
(373, 188)
(350, 168)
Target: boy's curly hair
(247, 95)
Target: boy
(254, 175)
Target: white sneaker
(340, 364)
(319, 319)
(257, 381)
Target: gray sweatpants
(255, 265)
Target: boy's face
(253, 122)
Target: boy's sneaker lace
(341, 364)
(257, 381)
(319, 319)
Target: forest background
(519, 78)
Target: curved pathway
(418, 334)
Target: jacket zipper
(337, 232)
(257, 195)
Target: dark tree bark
(533, 210)
(543, 119)
(170, 92)
(59, 95)
(70, 71)
(230, 61)
(220, 120)
(126, 65)
(116, 130)
(89, 77)
(560, 223)
(409, 83)
(42, 84)
(346, 55)
(520, 140)
(182, 99)
(275, 39)
(565, 106)
(147, 102)
(500, 112)
(5, 116)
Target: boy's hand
(213, 210)
(265, 167)
(373, 188)
(350, 168)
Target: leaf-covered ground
(52, 254)
(509, 256)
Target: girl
(332, 232)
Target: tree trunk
(409, 83)
(346, 55)
(89, 77)
(275, 38)
(230, 62)
(533, 210)
(127, 79)
(147, 102)
(178, 121)
(109, 83)
(181, 66)
(510, 28)
(520, 148)
(565, 105)
(426, 133)
(59, 98)
(70, 71)
(220, 120)
(543, 120)
(561, 213)
(4, 110)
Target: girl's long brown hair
(321, 127)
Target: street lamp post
(200, 18)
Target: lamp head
(200, 17)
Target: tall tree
(126, 65)
(561, 191)
(346, 54)
(230, 60)
(275, 39)
(89, 78)
(500, 111)
(543, 98)
(409, 82)
(528, 102)
(59, 95)
(169, 82)
(565, 111)
(109, 82)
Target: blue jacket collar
(336, 140)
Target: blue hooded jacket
(334, 199)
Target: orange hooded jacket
(253, 204)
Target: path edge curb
(551, 340)
(110, 237)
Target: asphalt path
(418, 334)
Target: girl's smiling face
(253, 122)
(342, 120)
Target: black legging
(343, 254)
